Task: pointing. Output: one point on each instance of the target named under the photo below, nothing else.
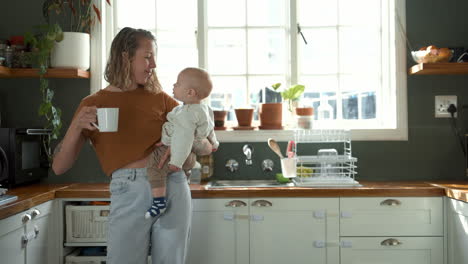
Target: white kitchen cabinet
(457, 231)
(26, 237)
(265, 230)
(391, 216)
(12, 249)
(294, 230)
(220, 231)
(392, 230)
(392, 250)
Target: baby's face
(181, 88)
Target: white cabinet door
(37, 251)
(12, 249)
(392, 216)
(392, 250)
(457, 231)
(294, 230)
(219, 233)
(40, 244)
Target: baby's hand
(173, 168)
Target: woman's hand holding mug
(85, 118)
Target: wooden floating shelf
(6, 72)
(448, 68)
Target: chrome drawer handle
(236, 203)
(262, 203)
(391, 242)
(391, 202)
(26, 218)
(35, 213)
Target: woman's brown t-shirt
(141, 116)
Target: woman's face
(143, 62)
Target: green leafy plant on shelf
(42, 44)
(293, 94)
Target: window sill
(288, 134)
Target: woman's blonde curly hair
(118, 71)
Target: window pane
(350, 106)
(136, 14)
(319, 56)
(226, 13)
(317, 13)
(359, 83)
(226, 51)
(368, 110)
(360, 50)
(267, 51)
(359, 88)
(228, 93)
(176, 50)
(359, 12)
(266, 12)
(319, 83)
(170, 15)
(257, 85)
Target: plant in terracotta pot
(271, 114)
(244, 118)
(219, 119)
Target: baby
(186, 125)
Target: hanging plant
(42, 45)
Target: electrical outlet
(442, 102)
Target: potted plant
(292, 95)
(244, 118)
(271, 113)
(81, 15)
(220, 119)
(42, 45)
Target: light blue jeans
(129, 233)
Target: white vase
(72, 52)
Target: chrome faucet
(248, 150)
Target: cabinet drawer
(392, 216)
(239, 204)
(294, 204)
(392, 250)
(16, 221)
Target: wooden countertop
(29, 196)
(32, 195)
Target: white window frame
(397, 69)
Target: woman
(123, 155)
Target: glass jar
(2, 50)
(8, 56)
(325, 111)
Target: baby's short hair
(200, 81)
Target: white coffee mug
(108, 119)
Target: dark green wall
(432, 152)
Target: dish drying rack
(325, 171)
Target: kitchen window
(354, 57)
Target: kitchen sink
(246, 184)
